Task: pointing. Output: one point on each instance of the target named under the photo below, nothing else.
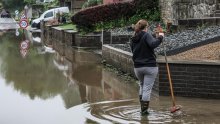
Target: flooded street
(47, 88)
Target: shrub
(111, 24)
(116, 14)
(89, 17)
(67, 16)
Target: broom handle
(169, 76)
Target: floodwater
(47, 88)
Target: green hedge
(125, 12)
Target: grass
(67, 26)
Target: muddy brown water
(46, 88)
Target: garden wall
(48, 35)
(121, 60)
(69, 37)
(88, 41)
(55, 35)
(190, 78)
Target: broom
(174, 108)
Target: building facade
(74, 5)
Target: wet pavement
(8, 23)
(47, 88)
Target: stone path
(8, 23)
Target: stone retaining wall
(118, 58)
(190, 78)
(69, 37)
(191, 46)
(121, 60)
(48, 35)
(42, 34)
(58, 34)
(121, 39)
(87, 41)
(52, 35)
(172, 10)
(115, 39)
(198, 22)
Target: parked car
(5, 14)
(48, 15)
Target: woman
(144, 58)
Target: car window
(49, 14)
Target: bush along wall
(87, 18)
(124, 13)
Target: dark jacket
(142, 46)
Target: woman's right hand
(161, 34)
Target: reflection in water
(16, 71)
(52, 89)
(8, 24)
(126, 111)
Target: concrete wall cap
(70, 31)
(58, 28)
(161, 59)
(118, 50)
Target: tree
(16, 4)
(13, 4)
(29, 1)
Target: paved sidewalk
(8, 23)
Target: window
(49, 14)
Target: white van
(43, 1)
(48, 15)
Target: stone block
(106, 37)
(87, 41)
(120, 39)
(69, 53)
(69, 37)
(48, 33)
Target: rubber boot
(144, 107)
(140, 98)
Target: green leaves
(116, 14)
(88, 18)
(29, 1)
(13, 4)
